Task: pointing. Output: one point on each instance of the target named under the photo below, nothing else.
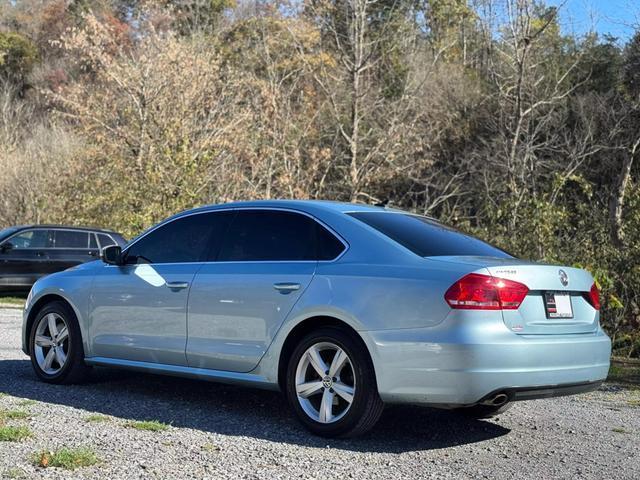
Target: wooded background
(481, 113)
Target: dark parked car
(29, 252)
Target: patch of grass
(27, 403)
(15, 472)
(67, 458)
(619, 430)
(634, 402)
(13, 434)
(97, 418)
(17, 301)
(624, 371)
(14, 414)
(210, 447)
(149, 425)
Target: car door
(71, 247)
(138, 310)
(241, 297)
(23, 257)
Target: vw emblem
(564, 278)
(327, 382)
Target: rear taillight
(482, 292)
(594, 297)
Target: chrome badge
(564, 278)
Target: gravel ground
(218, 431)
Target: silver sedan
(343, 307)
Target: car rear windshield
(426, 237)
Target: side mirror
(112, 255)
(5, 247)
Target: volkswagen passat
(343, 307)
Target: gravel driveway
(218, 431)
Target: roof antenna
(382, 203)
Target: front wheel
(55, 344)
(331, 384)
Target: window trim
(235, 209)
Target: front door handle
(286, 287)
(177, 285)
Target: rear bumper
(548, 391)
(469, 365)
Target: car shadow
(238, 411)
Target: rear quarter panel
(371, 298)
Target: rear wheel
(55, 344)
(331, 384)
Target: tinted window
(269, 235)
(92, 241)
(4, 233)
(183, 240)
(70, 239)
(32, 239)
(426, 237)
(329, 247)
(105, 240)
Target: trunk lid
(548, 285)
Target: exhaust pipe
(497, 400)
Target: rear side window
(70, 239)
(274, 235)
(329, 247)
(426, 237)
(105, 240)
(183, 240)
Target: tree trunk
(617, 201)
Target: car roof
(304, 205)
(70, 227)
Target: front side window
(426, 237)
(7, 232)
(275, 235)
(32, 239)
(70, 239)
(184, 240)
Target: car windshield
(426, 237)
(5, 232)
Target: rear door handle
(286, 287)
(177, 285)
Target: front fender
(72, 287)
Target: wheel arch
(35, 309)
(303, 328)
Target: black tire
(484, 411)
(74, 369)
(366, 408)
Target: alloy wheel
(325, 382)
(51, 343)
